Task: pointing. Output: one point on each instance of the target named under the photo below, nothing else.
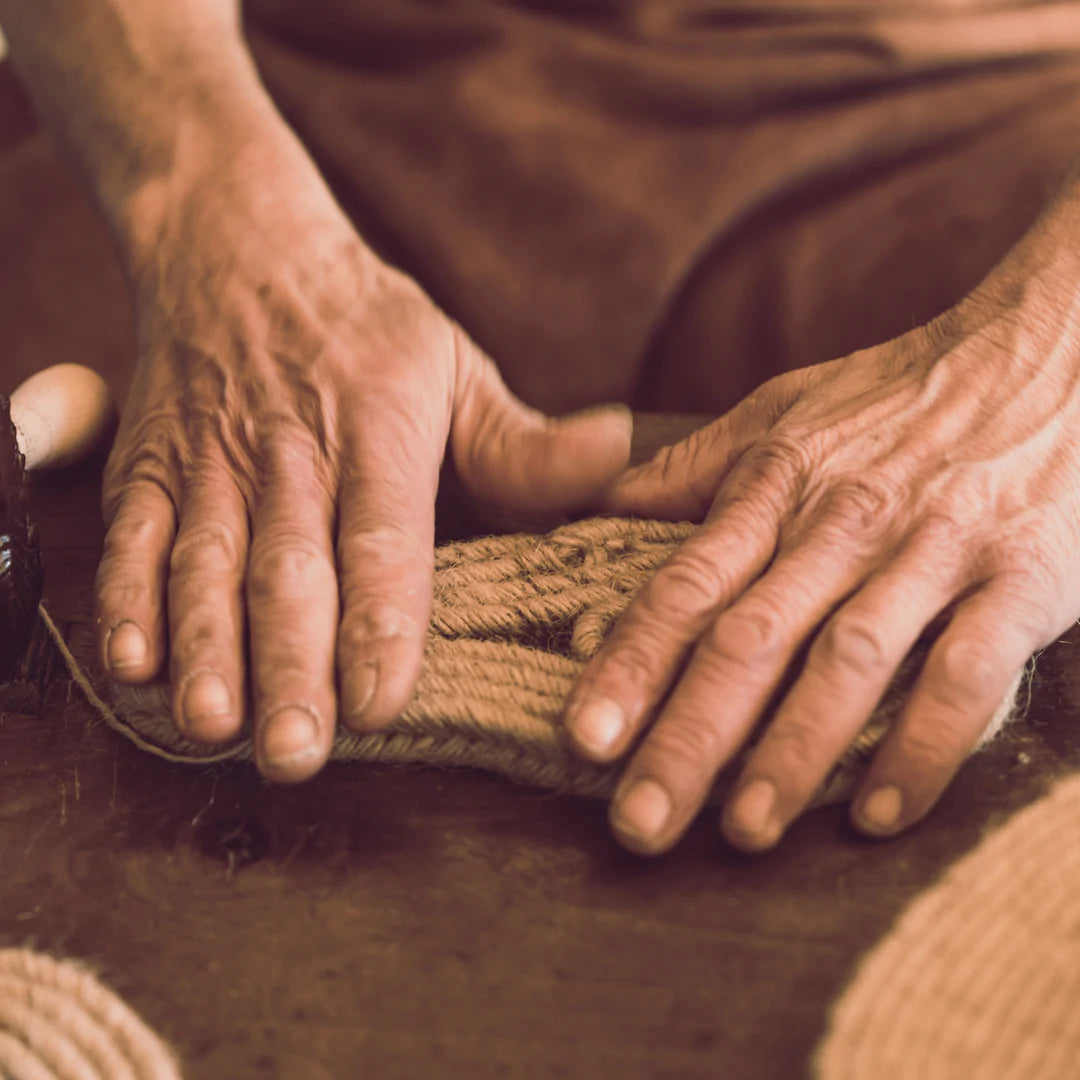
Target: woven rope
(514, 619)
(980, 977)
(58, 1022)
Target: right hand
(270, 496)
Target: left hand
(846, 507)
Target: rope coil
(58, 1022)
(514, 619)
(980, 975)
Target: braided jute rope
(514, 620)
(980, 976)
(58, 1022)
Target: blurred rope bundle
(980, 976)
(58, 1022)
(514, 619)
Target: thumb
(520, 459)
(680, 482)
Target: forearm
(1042, 272)
(153, 102)
(1029, 303)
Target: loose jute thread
(514, 620)
(58, 1022)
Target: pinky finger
(970, 672)
(130, 586)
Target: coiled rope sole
(514, 620)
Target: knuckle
(207, 547)
(746, 636)
(684, 746)
(796, 740)
(678, 462)
(932, 751)
(746, 516)
(667, 466)
(781, 462)
(281, 673)
(119, 593)
(374, 623)
(713, 437)
(635, 662)
(130, 537)
(1027, 563)
(939, 534)
(384, 546)
(853, 643)
(147, 458)
(966, 670)
(861, 507)
(687, 587)
(289, 449)
(1032, 607)
(292, 564)
(195, 627)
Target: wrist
(1033, 294)
(222, 167)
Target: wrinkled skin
(269, 498)
(846, 506)
(270, 494)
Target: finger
(292, 612)
(969, 671)
(206, 621)
(617, 691)
(680, 482)
(519, 458)
(734, 671)
(130, 585)
(849, 667)
(385, 551)
(619, 688)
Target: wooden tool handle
(60, 414)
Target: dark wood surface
(398, 924)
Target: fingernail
(206, 704)
(126, 646)
(597, 724)
(754, 811)
(644, 810)
(881, 809)
(289, 737)
(358, 688)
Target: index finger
(637, 664)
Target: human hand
(269, 498)
(846, 507)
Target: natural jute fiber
(514, 619)
(980, 977)
(58, 1022)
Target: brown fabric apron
(658, 201)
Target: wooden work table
(400, 923)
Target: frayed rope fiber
(58, 1022)
(514, 620)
